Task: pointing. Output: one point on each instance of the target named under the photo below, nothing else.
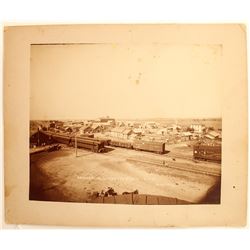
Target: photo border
(18, 208)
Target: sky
(134, 81)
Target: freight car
(105, 141)
(151, 146)
(122, 144)
(207, 152)
(64, 139)
(87, 135)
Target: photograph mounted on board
(126, 123)
(133, 125)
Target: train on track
(121, 144)
(98, 145)
(155, 147)
(207, 152)
(151, 146)
(86, 142)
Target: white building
(198, 128)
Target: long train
(207, 152)
(98, 145)
(200, 151)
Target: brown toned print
(132, 120)
(138, 81)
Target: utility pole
(76, 145)
(38, 136)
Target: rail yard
(102, 166)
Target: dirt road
(61, 176)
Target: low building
(111, 121)
(68, 129)
(174, 128)
(39, 139)
(106, 125)
(96, 128)
(138, 131)
(213, 135)
(162, 131)
(120, 124)
(121, 133)
(150, 125)
(117, 132)
(197, 128)
(127, 133)
(186, 136)
(85, 129)
(134, 124)
(137, 125)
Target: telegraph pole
(38, 136)
(76, 145)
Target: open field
(61, 176)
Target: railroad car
(64, 139)
(92, 144)
(207, 152)
(122, 144)
(105, 141)
(87, 135)
(156, 147)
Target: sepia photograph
(126, 123)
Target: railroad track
(173, 165)
(179, 156)
(168, 161)
(154, 155)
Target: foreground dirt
(61, 176)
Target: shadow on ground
(213, 195)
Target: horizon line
(169, 118)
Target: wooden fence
(138, 199)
